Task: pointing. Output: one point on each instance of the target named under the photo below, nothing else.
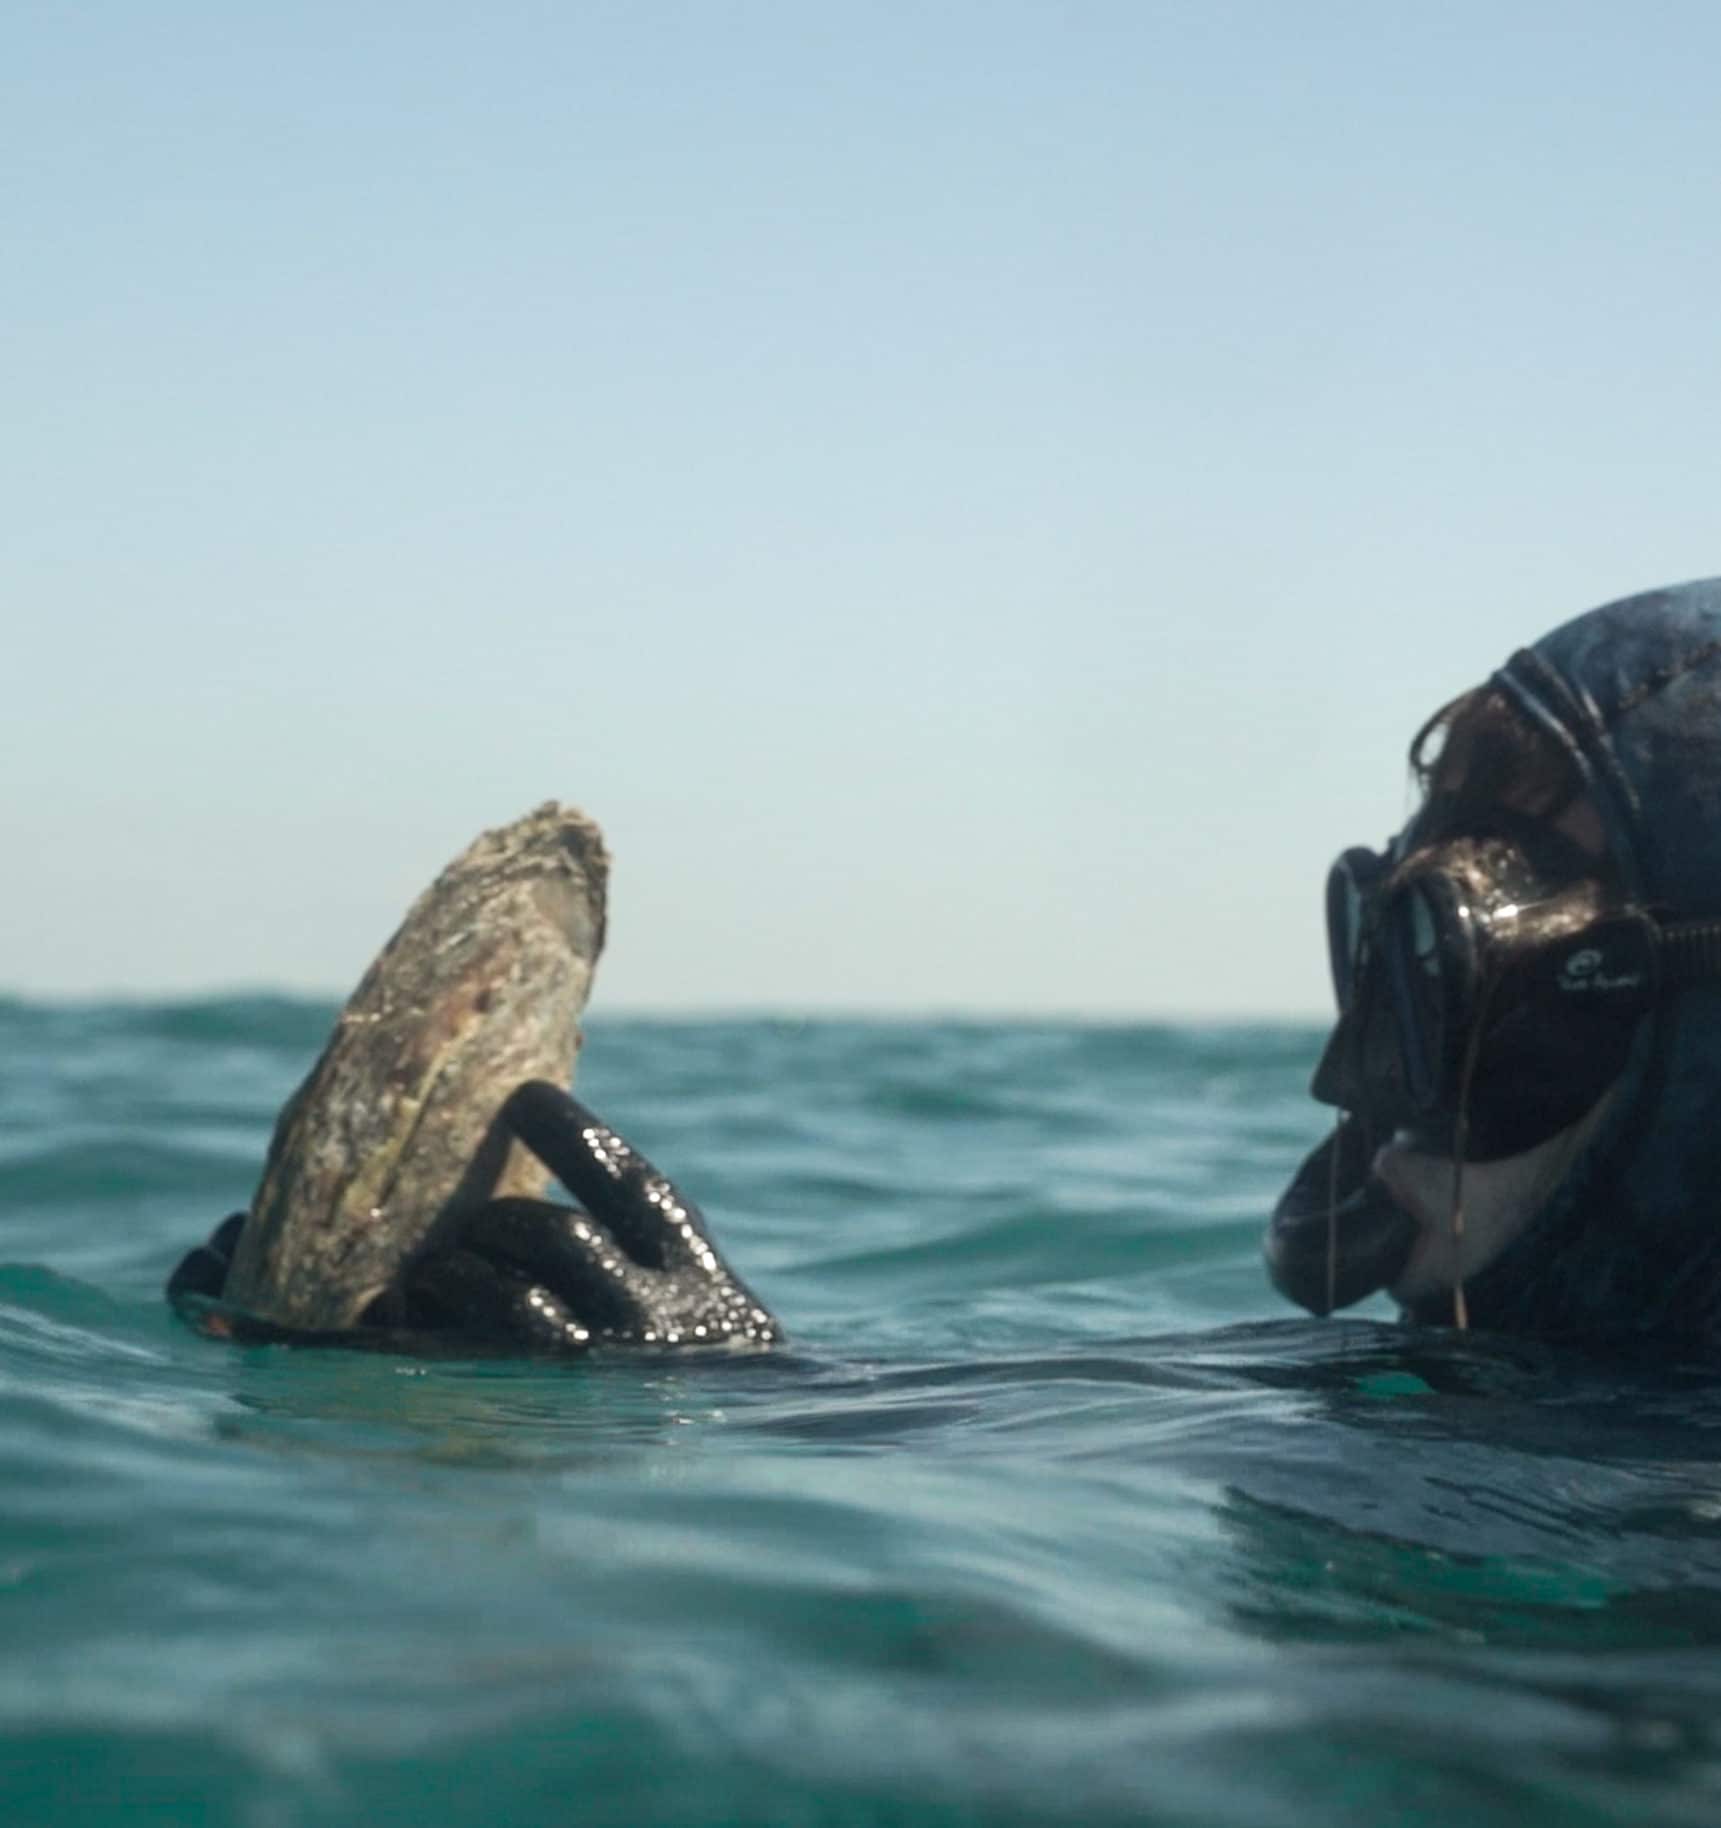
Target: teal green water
(1051, 1513)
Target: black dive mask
(1487, 992)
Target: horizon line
(1075, 1015)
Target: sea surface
(1049, 1513)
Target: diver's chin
(1498, 1201)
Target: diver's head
(1527, 1062)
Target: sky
(975, 498)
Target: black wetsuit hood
(1630, 1242)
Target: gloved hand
(636, 1266)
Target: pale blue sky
(974, 497)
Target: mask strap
(1333, 1214)
(1572, 720)
(1690, 951)
(1460, 1146)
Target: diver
(1526, 1066)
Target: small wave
(262, 1019)
(256, 1018)
(108, 1168)
(56, 1300)
(1039, 1246)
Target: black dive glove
(635, 1267)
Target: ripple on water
(1049, 1514)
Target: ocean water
(1050, 1513)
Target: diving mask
(1488, 991)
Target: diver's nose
(1362, 1068)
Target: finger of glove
(463, 1289)
(647, 1214)
(203, 1272)
(572, 1255)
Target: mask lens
(1348, 883)
(1420, 994)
